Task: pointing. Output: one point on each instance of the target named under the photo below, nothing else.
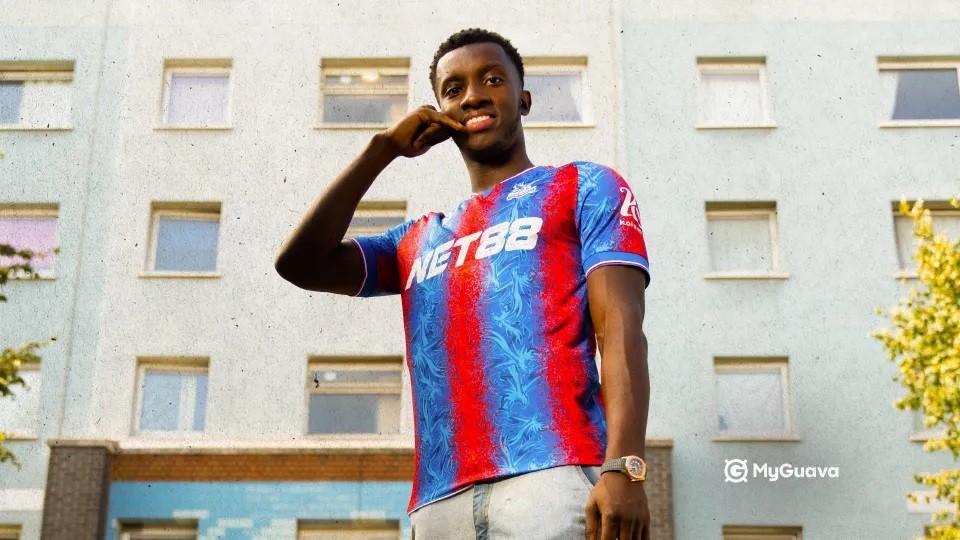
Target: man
(504, 301)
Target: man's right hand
(420, 130)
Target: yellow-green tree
(924, 341)
(12, 358)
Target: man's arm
(315, 256)
(616, 298)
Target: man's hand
(617, 509)
(422, 128)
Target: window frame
(307, 526)
(355, 363)
(761, 532)
(562, 65)
(740, 364)
(127, 530)
(41, 71)
(902, 64)
(38, 211)
(199, 67)
(924, 434)
(11, 531)
(34, 434)
(199, 214)
(734, 65)
(357, 67)
(937, 208)
(374, 209)
(173, 365)
(746, 212)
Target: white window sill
(168, 435)
(746, 275)
(305, 444)
(164, 127)
(906, 275)
(756, 438)
(919, 123)
(924, 436)
(9, 127)
(20, 436)
(41, 276)
(736, 126)
(351, 126)
(181, 274)
(553, 125)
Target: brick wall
(277, 467)
(659, 490)
(74, 505)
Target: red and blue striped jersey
(499, 341)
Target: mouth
(479, 123)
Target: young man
(504, 302)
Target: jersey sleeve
(380, 268)
(608, 220)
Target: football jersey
(499, 342)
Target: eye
(495, 79)
(449, 90)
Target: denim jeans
(539, 505)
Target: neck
(486, 174)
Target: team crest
(521, 190)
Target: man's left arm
(617, 507)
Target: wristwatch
(632, 466)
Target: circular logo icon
(735, 470)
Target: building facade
(168, 149)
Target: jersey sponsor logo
(629, 207)
(519, 234)
(521, 190)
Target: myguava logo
(735, 470)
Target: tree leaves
(925, 343)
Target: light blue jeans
(539, 505)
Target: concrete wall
(833, 174)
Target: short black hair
(469, 36)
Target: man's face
(480, 82)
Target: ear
(526, 101)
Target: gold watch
(632, 466)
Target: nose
(474, 95)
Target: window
(752, 398)
(158, 531)
(737, 532)
(743, 241)
(733, 94)
(172, 396)
(946, 220)
(349, 530)
(31, 227)
(375, 217)
(196, 93)
(184, 238)
(923, 433)
(919, 93)
(38, 96)
(363, 92)
(9, 532)
(557, 88)
(354, 395)
(19, 415)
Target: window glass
(556, 97)
(186, 244)
(740, 243)
(731, 97)
(750, 401)
(355, 399)
(926, 94)
(36, 103)
(944, 221)
(173, 401)
(19, 412)
(33, 233)
(198, 100)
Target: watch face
(635, 466)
